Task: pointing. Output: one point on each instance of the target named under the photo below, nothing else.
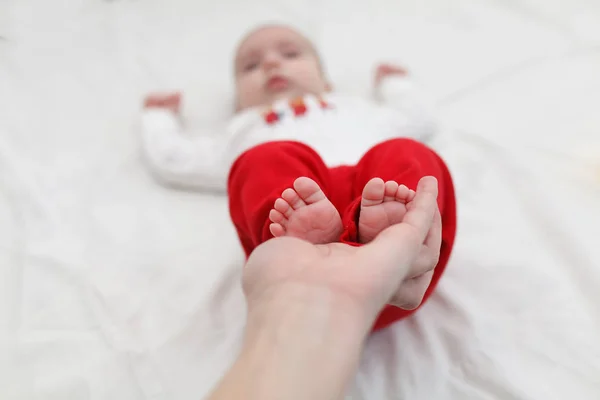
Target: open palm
(396, 267)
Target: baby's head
(275, 62)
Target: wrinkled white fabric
(115, 287)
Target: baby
(298, 159)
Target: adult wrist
(304, 342)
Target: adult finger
(422, 208)
(409, 295)
(429, 255)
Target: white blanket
(112, 287)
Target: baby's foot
(382, 205)
(304, 212)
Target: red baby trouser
(262, 173)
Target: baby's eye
(250, 66)
(291, 53)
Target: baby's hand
(384, 70)
(170, 101)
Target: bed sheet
(114, 287)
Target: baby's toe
(373, 192)
(411, 195)
(277, 230)
(403, 194)
(277, 217)
(294, 200)
(283, 207)
(308, 190)
(391, 187)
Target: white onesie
(339, 128)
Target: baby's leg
(403, 162)
(267, 199)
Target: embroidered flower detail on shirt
(272, 116)
(298, 108)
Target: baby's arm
(394, 88)
(174, 158)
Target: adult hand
(310, 307)
(394, 268)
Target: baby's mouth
(277, 83)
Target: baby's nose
(271, 62)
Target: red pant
(261, 174)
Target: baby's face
(275, 63)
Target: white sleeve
(401, 94)
(197, 163)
